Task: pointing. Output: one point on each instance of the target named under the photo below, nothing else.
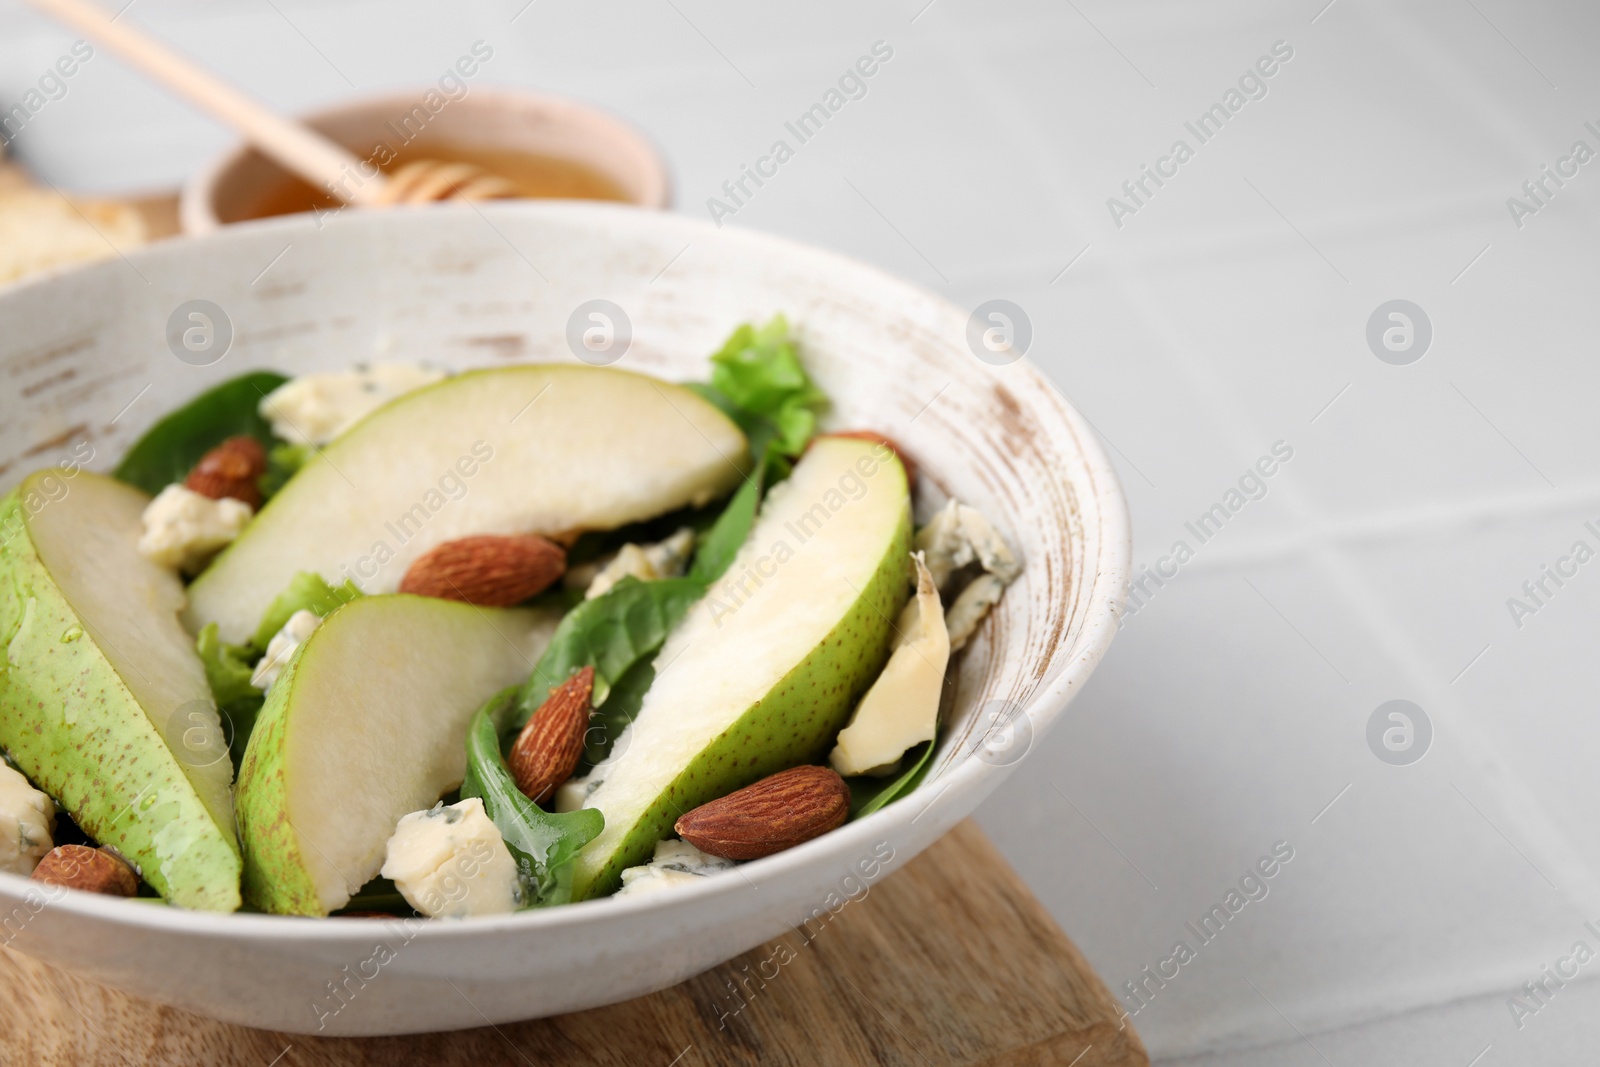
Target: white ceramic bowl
(226, 190)
(84, 356)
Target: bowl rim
(197, 213)
(1100, 625)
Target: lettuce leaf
(283, 462)
(306, 591)
(757, 380)
(228, 669)
(169, 450)
(543, 843)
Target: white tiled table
(1227, 314)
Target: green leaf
(307, 591)
(868, 795)
(542, 843)
(758, 369)
(239, 720)
(591, 545)
(378, 895)
(283, 462)
(705, 391)
(623, 703)
(619, 632)
(718, 545)
(228, 667)
(758, 381)
(169, 450)
(610, 633)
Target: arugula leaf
(378, 895)
(593, 544)
(306, 591)
(610, 719)
(757, 380)
(718, 545)
(868, 795)
(542, 843)
(169, 450)
(610, 633)
(619, 632)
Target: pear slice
(104, 701)
(542, 449)
(763, 671)
(368, 723)
(902, 707)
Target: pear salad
(392, 641)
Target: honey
(535, 177)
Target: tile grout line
(1352, 586)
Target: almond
(872, 435)
(93, 870)
(547, 750)
(776, 813)
(490, 570)
(232, 469)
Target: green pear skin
(550, 449)
(797, 718)
(275, 875)
(74, 726)
(368, 723)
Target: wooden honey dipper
(302, 150)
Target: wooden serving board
(950, 961)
